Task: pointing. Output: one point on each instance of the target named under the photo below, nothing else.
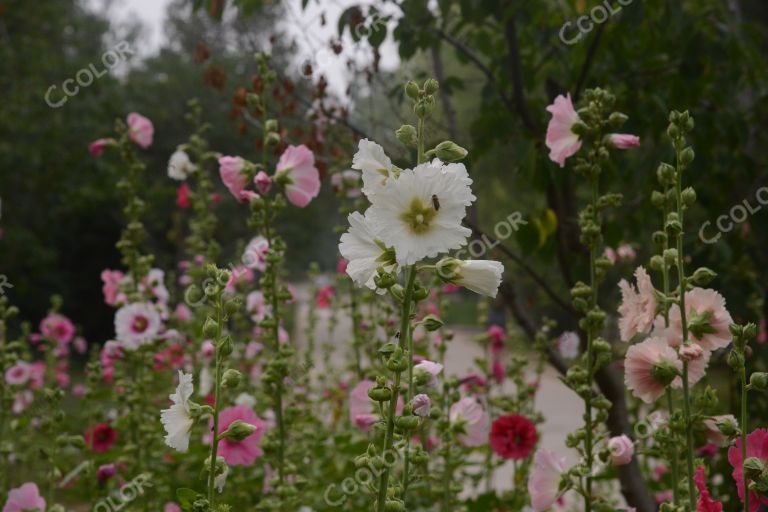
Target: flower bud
(394, 506)
(407, 422)
(231, 306)
(703, 276)
(688, 196)
(670, 256)
(225, 346)
(449, 151)
(687, 155)
(412, 90)
(660, 238)
(231, 378)
(210, 328)
(617, 119)
(421, 405)
(432, 323)
(657, 199)
(431, 86)
(666, 174)
(753, 468)
(380, 394)
(657, 263)
(270, 125)
(239, 430)
(759, 381)
(407, 135)
(272, 139)
(252, 100)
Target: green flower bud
(657, 263)
(270, 125)
(666, 174)
(412, 90)
(759, 381)
(657, 199)
(272, 139)
(210, 328)
(673, 225)
(687, 155)
(688, 196)
(239, 430)
(432, 323)
(387, 348)
(394, 506)
(407, 135)
(735, 360)
(617, 119)
(431, 86)
(380, 394)
(670, 256)
(225, 346)
(407, 422)
(659, 238)
(753, 468)
(703, 276)
(449, 151)
(664, 372)
(231, 378)
(252, 100)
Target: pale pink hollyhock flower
(474, 419)
(692, 352)
(257, 304)
(622, 449)
(561, 140)
(263, 182)
(140, 130)
(255, 255)
(80, 345)
(361, 406)
(171, 507)
(713, 427)
(37, 377)
(641, 365)
(154, 281)
(544, 480)
(230, 171)
(25, 499)
(253, 349)
(609, 253)
(58, 328)
(296, 170)
(96, 148)
(18, 374)
(626, 252)
(62, 379)
(705, 312)
(757, 446)
(421, 405)
(638, 306)
(111, 286)
(568, 345)
(22, 400)
(79, 390)
(240, 274)
(240, 453)
(183, 313)
(624, 140)
(697, 368)
(137, 324)
(429, 369)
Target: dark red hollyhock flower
(513, 436)
(100, 437)
(182, 196)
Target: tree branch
(515, 70)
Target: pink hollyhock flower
(22, 400)
(80, 345)
(105, 472)
(79, 390)
(240, 453)
(708, 320)
(137, 324)
(497, 334)
(97, 147)
(25, 499)
(544, 480)
(706, 503)
(513, 437)
(663, 497)
(716, 424)
(497, 368)
(62, 379)
(111, 352)
(697, 368)
(111, 287)
(609, 253)
(624, 140)
(324, 297)
(568, 345)
(296, 170)
(561, 140)
(626, 252)
(58, 328)
(421, 405)
(638, 306)
(649, 367)
(451, 288)
(230, 170)
(757, 446)
(183, 313)
(341, 266)
(263, 182)
(622, 449)
(37, 375)
(471, 415)
(100, 437)
(255, 255)
(426, 372)
(473, 381)
(140, 130)
(708, 451)
(256, 304)
(361, 406)
(182, 196)
(171, 507)
(18, 374)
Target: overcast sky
(304, 25)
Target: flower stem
(405, 323)
(216, 408)
(674, 455)
(744, 433)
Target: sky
(304, 24)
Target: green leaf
(186, 497)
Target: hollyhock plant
(757, 447)
(140, 130)
(513, 437)
(708, 320)
(245, 451)
(638, 306)
(544, 479)
(100, 437)
(177, 420)
(25, 499)
(296, 171)
(621, 449)
(18, 374)
(58, 328)
(137, 324)
(232, 175)
(650, 367)
(561, 139)
(97, 147)
(705, 503)
(474, 420)
(364, 253)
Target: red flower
(706, 503)
(100, 437)
(513, 436)
(182, 196)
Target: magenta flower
(111, 286)
(706, 503)
(263, 182)
(97, 147)
(25, 499)
(240, 453)
(757, 446)
(58, 328)
(18, 374)
(561, 140)
(624, 140)
(296, 170)
(140, 130)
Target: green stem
(744, 434)
(674, 454)
(593, 255)
(216, 409)
(405, 323)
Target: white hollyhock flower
(177, 420)
(206, 382)
(179, 165)
(374, 164)
(480, 276)
(364, 253)
(419, 214)
(220, 479)
(137, 324)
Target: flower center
(419, 216)
(140, 324)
